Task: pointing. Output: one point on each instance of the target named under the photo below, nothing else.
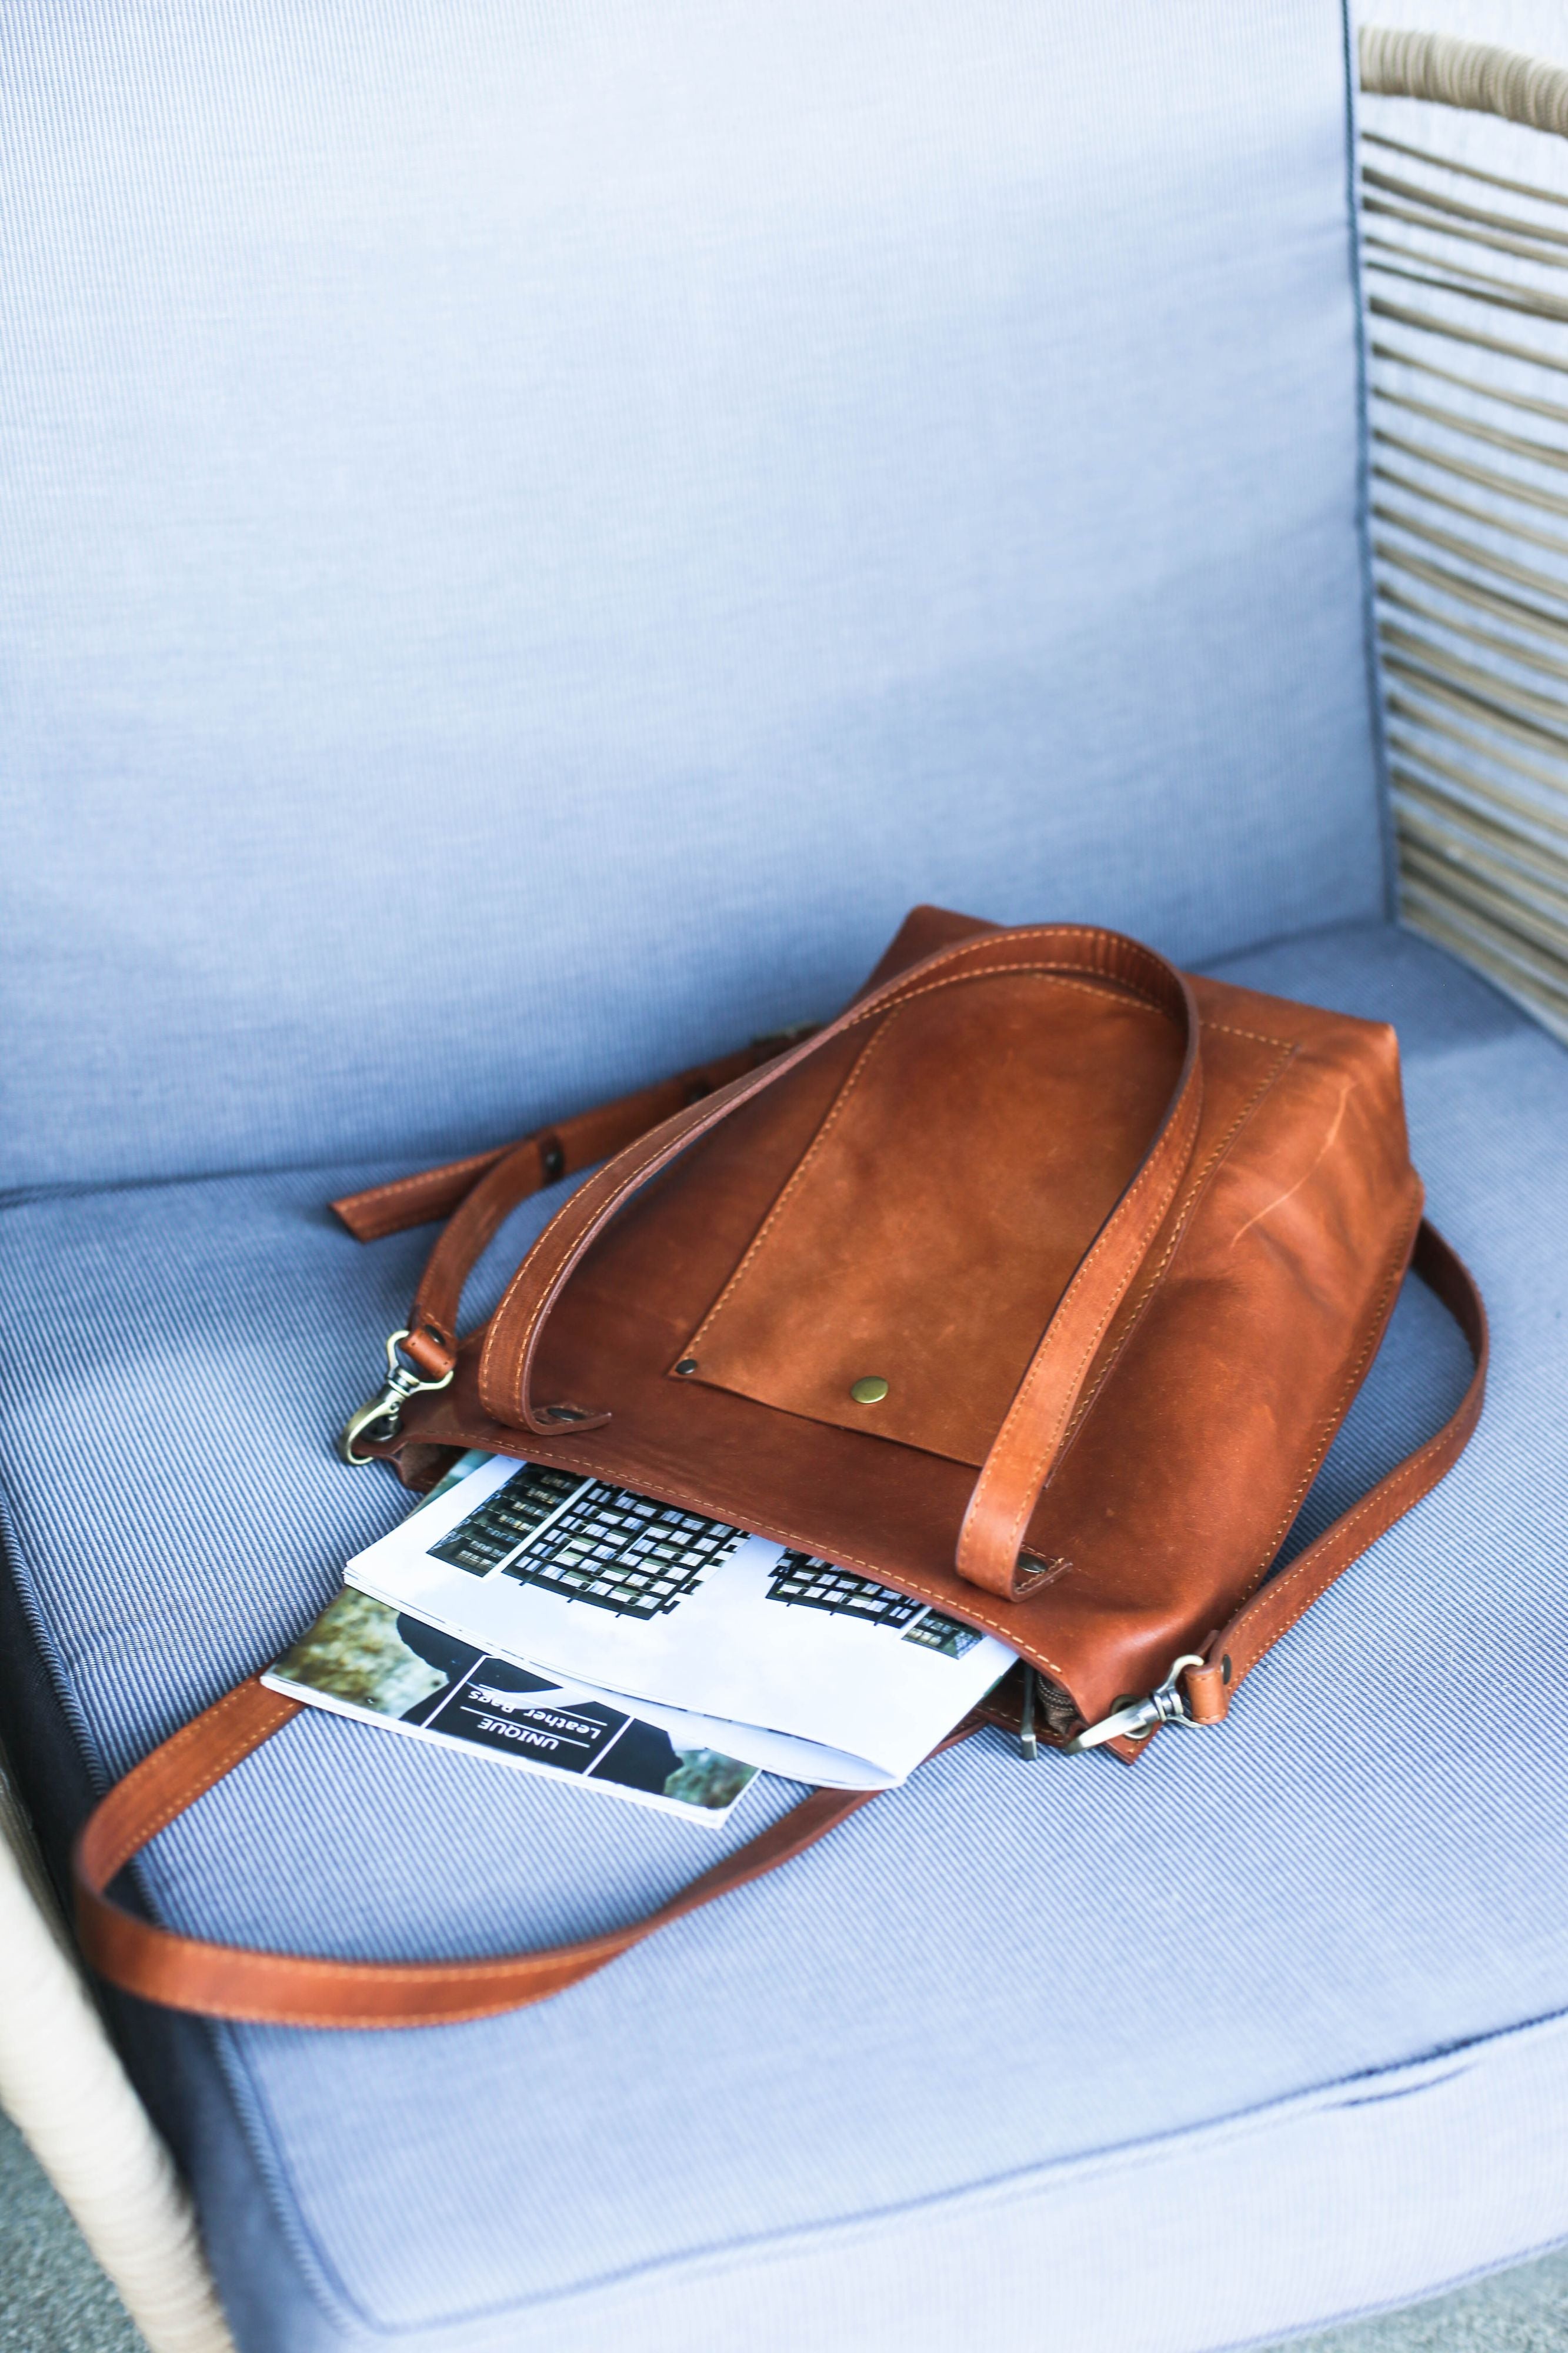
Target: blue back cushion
(527, 536)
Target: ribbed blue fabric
(533, 536)
(1217, 2047)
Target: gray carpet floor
(54, 2299)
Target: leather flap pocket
(906, 1271)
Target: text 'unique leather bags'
(1035, 1285)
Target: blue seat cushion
(531, 537)
(1273, 2026)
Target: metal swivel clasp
(1140, 1717)
(384, 1412)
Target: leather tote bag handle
(1026, 1448)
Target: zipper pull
(1028, 1742)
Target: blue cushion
(1272, 2026)
(532, 537)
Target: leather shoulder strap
(1276, 1605)
(296, 1989)
(286, 1989)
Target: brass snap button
(870, 1389)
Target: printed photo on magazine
(363, 1660)
(577, 1578)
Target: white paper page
(660, 1606)
(782, 1753)
(791, 1758)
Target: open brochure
(363, 1660)
(575, 1579)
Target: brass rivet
(869, 1391)
(687, 1365)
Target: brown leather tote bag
(1035, 1285)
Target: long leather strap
(295, 1989)
(285, 1989)
(1024, 1451)
(1276, 1605)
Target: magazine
(575, 1579)
(363, 1660)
